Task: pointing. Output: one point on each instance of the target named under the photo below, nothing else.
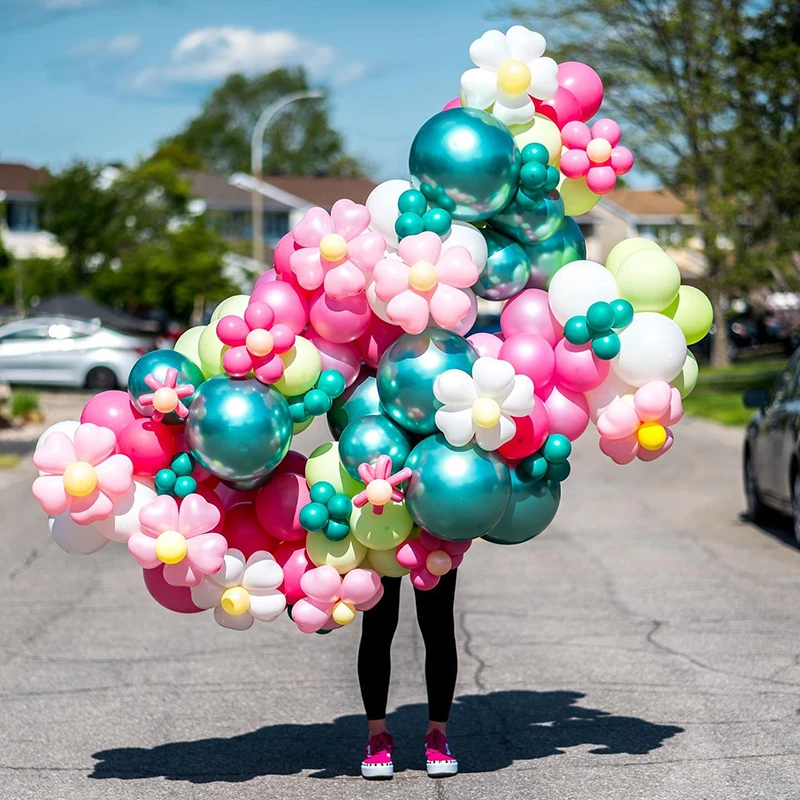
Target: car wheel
(101, 378)
(796, 507)
(756, 509)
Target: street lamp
(257, 161)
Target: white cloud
(121, 46)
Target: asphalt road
(646, 646)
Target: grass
(718, 394)
(23, 403)
(9, 460)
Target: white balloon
(577, 285)
(652, 348)
(612, 388)
(126, 510)
(465, 235)
(377, 305)
(68, 426)
(382, 206)
(79, 540)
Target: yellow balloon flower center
(379, 492)
(422, 276)
(513, 77)
(599, 150)
(171, 547)
(651, 435)
(438, 562)
(485, 412)
(80, 479)
(343, 613)
(235, 601)
(165, 400)
(333, 247)
(259, 342)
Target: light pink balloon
(289, 305)
(465, 326)
(360, 586)
(454, 103)
(323, 583)
(577, 367)
(111, 409)
(584, 83)
(530, 354)
(339, 320)
(620, 451)
(568, 412)
(652, 455)
(269, 276)
(311, 615)
(283, 252)
(529, 312)
(341, 356)
(293, 558)
(375, 341)
(652, 400)
(487, 344)
(561, 108)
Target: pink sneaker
(441, 762)
(377, 761)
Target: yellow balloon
(235, 601)
(577, 196)
(80, 479)
(384, 562)
(301, 368)
(171, 547)
(188, 344)
(621, 250)
(651, 435)
(324, 465)
(210, 351)
(343, 555)
(343, 613)
(231, 306)
(687, 378)
(486, 412)
(381, 531)
(540, 130)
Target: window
(27, 334)
(785, 386)
(22, 216)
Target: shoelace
(438, 741)
(381, 741)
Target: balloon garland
(439, 437)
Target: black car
(772, 447)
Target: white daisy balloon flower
(481, 406)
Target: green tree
(300, 141)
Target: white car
(60, 351)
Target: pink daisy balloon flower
(429, 558)
(82, 474)
(336, 249)
(255, 342)
(166, 395)
(593, 153)
(381, 486)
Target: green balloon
(559, 472)
(623, 313)
(507, 268)
(438, 221)
(408, 225)
(317, 402)
(627, 246)
(336, 530)
(563, 247)
(235, 306)
(188, 343)
(412, 202)
(649, 280)
(185, 486)
(158, 363)
(606, 347)
(533, 467)
(384, 562)
(313, 516)
(340, 506)
(210, 351)
(687, 377)
(359, 399)
(165, 481)
(332, 382)
(324, 465)
(383, 531)
(557, 448)
(182, 464)
(322, 492)
(600, 316)
(691, 311)
(576, 331)
(363, 440)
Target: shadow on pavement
(778, 527)
(488, 733)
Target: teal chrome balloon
(531, 509)
(359, 399)
(468, 156)
(239, 430)
(456, 493)
(363, 440)
(530, 221)
(408, 369)
(563, 247)
(507, 269)
(156, 363)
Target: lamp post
(257, 161)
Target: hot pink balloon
(375, 341)
(567, 412)
(577, 368)
(149, 445)
(529, 312)
(531, 432)
(290, 307)
(295, 563)
(561, 108)
(269, 276)
(229, 497)
(293, 462)
(278, 506)
(341, 356)
(283, 252)
(175, 598)
(584, 83)
(530, 354)
(454, 103)
(487, 344)
(244, 532)
(111, 409)
(340, 320)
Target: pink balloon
(529, 312)
(577, 367)
(293, 462)
(175, 598)
(584, 83)
(465, 326)
(340, 320)
(530, 354)
(268, 277)
(244, 532)
(567, 412)
(652, 455)
(323, 583)
(487, 344)
(561, 109)
(283, 252)
(454, 103)
(229, 497)
(111, 409)
(531, 432)
(290, 307)
(149, 445)
(207, 493)
(278, 506)
(341, 356)
(360, 586)
(295, 562)
(375, 341)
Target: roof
(220, 194)
(19, 181)
(323, 191)
(649, 202)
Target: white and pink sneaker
(441, 762)
(377, 761)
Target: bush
(24, 403)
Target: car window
(27, 334)
(786, 386)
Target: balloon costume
(438, 436)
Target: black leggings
(436, 623)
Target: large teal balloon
(156, 363)
(456, 493)
(239, 430)
(465, 161)
(408, 369)
(531, 221)
(507, 269)
(359, 399)
(564, 246)
(531, 509)
(364, 439)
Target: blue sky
(104, 79)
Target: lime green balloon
(691, 311)
(540, 130)
(577, 196)
(381, 531)
(343, 555)
(232, 306)
(324, 465)
(210, 350)
(384, 562)
(299, 427)
(619, 252)
(649, 280)
(188, 343)
(301, 368)
(687, 377)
